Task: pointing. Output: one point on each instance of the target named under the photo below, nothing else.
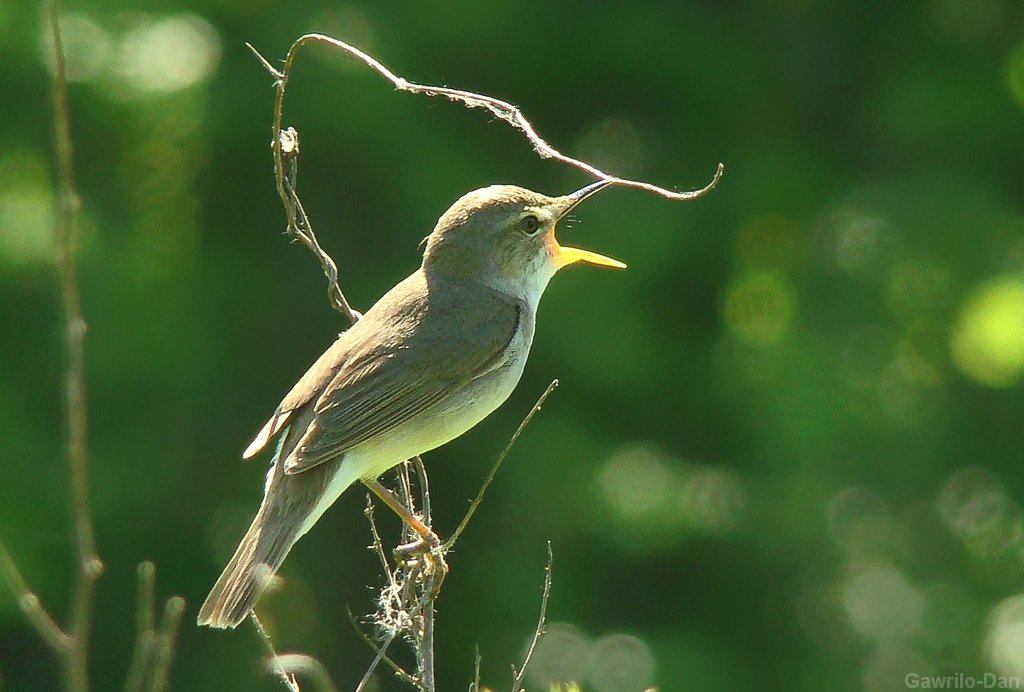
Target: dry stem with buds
(154, 648)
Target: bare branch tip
(719, 172)
(92, 567)
(175, 607)
(275, 73)
(147, 570)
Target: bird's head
(504, 237)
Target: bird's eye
(530, 224)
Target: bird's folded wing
(392, 315)
(306, 389)
(386, 385)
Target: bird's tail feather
(249, 572)
(291, 505)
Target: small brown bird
(433, 357)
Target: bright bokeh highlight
(987, 342)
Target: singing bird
(433, 357)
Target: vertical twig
(425, 641)
(145, 634)
(424, 575)
(517, 682)
(477, 659)
(70, 644)
(89, 566)
(421, 477)
(163, 652)
(154, 648)
(425, 648)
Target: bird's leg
(428, 545)
(427, 536)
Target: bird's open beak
(565, 256)
(581, 194)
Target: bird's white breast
(451, 417)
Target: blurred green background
(786, 452)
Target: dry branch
(500, 109)
(285, 146)
(154, 651)
(70, 644)
(89, 566)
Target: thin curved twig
(285, 147)
(500, 109)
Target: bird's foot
(427, 542)
(425, 555)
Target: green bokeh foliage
(759, 423)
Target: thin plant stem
(497, 464)
(76, 661)
(286, 678)
(517, 682)
(36, 615)
(71, 644)
(477, 659)
(163, 652)
(381, 652)
(285, 149)
(145, 634)
(378, 545)
(421, 477)
(425, 642)
(368, 675)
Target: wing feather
(385, 386)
